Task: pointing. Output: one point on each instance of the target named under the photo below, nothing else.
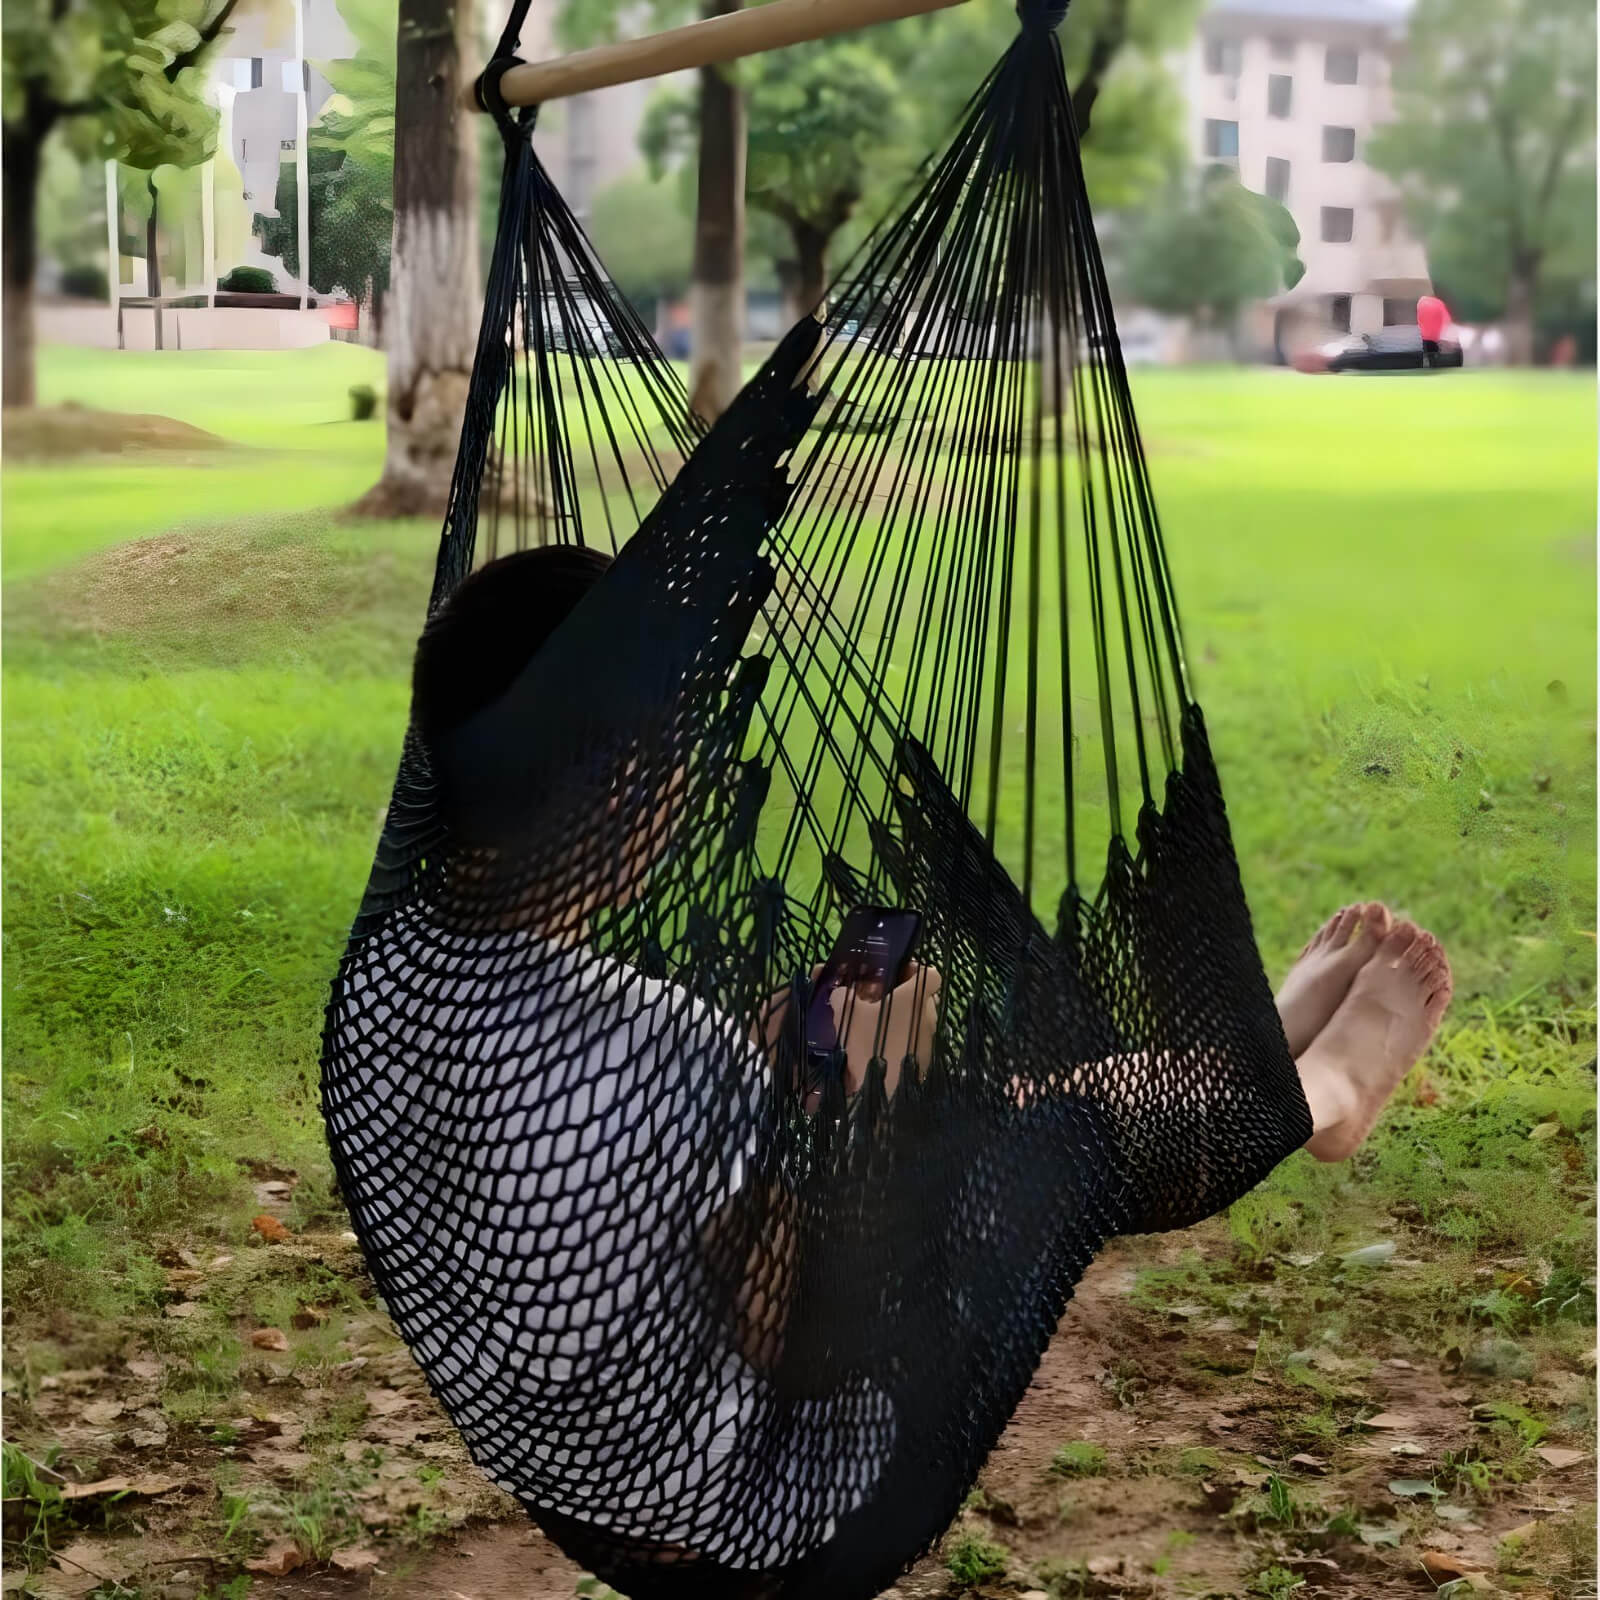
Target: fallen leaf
(148, 1487)
(1554, 1456)
(1380, 1534)
(1308, 1463)
(269, 1339)
(1546, 1130)
(1397, 1420)
(270, 1229)
(1415, 1488)
(358, 1560)
(1448, 1513)
(1443, 1568)
(281, 1558)
(1372, 1255)
(1522, 1532)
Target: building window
(1338, 224)
(1278, 180)
(1280, 95)
(1338, 144)
(1339, 312)
(1282, 49)
(1224, 57)
(1399, 313)
(1342, 64)
(1222, 140)
(255, 72)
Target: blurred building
(1288, 92)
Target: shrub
(972, 1559)
(363, 402)
(248, 280)
(1079, 1459)
(85, 282)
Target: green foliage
(248, 280)
(1079, 1459)
(1275, 1582)
(363, 402)
(1493, 144)
(131, 70)
(34, 1490)
(971, 1558)
(835, 126)
(643, 234)
(1211, 248)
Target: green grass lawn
(1388, 590)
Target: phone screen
(872, 954)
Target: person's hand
(896, 1026)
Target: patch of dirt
(1212, 1476)
(58, 433)
(209, 589)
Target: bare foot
(1376, 1036)
(1321, 978)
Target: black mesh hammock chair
(729, 1314)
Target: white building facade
(1289, 92)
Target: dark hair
(476, 644)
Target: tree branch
(208, 36)
(1109, 38)
(1560, 146)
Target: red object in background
(1433, 317)
(344, 314)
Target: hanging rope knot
(487, 89)
(1041, 16)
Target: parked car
(1389, 350)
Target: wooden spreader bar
(696, 44)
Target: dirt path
(1190, 1446)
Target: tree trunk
(1522, 288)
(716, 289)
(19, 243)
(152, 259)
(810, 283)
(430, 314)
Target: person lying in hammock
(561, 1135)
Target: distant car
(1390, 350)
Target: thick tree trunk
(430, 314)
(152, 258)
(19, 243)
(716, 289)
(1522, 289)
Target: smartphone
(873, 952)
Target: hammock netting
(729, 1317)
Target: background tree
(1209, 249)
(644, 235)
(350, 170)
(823, 118)
(432, 319)
(1493, 147)
(128, 76)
